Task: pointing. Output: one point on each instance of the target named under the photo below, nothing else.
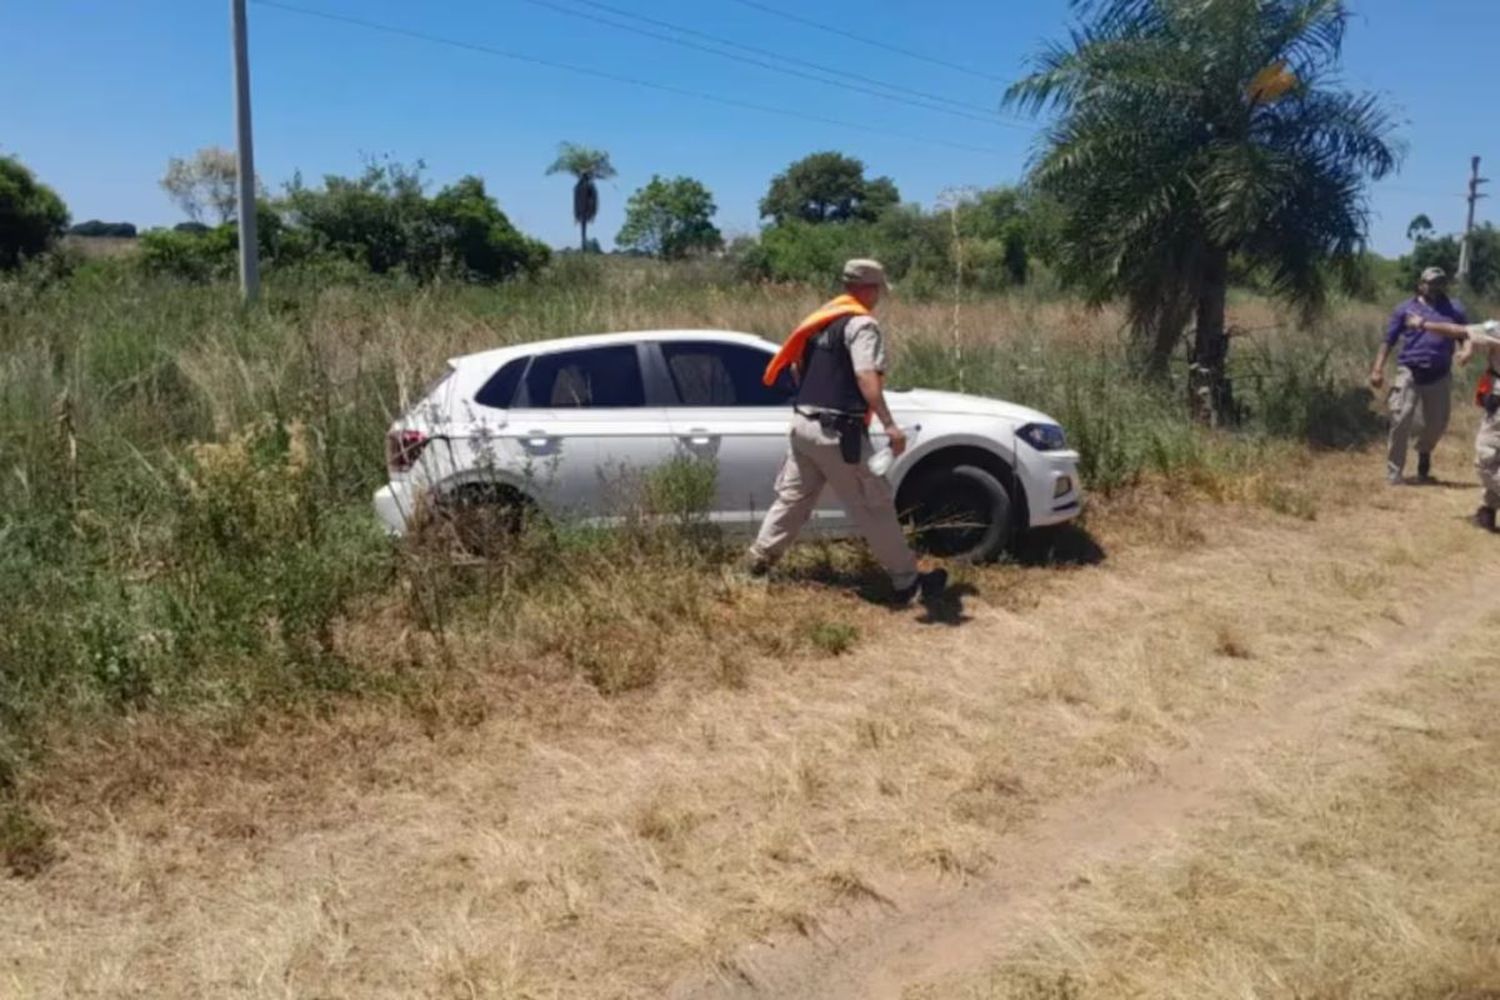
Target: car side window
(706, 373)
(500, 391)
(593, 378)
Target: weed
(833, 638)
(1229, 642)
(25, 842)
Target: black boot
(1424, 467)
(1484, 518)
(930, 585)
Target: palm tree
(1190, 133)
(588, 165)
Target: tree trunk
(583, 235)
(1211, 396)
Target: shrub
(32, 216)
(384, 221)
(112, 230)
(198, 253)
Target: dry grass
(1359, 866)
(522, 835)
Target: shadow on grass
(1443, 484)
(1344, 420)
(870, 584)
(1064, 545)
(948, 607)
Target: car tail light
(403, 448)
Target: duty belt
(850, 428)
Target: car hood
(933, 401)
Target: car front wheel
(962, 512)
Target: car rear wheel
(962, 512)
(483, 519)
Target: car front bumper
(1054, 494)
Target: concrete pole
(244, 148)
(1465, 250)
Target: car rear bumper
(395, 505)
(1054, 492)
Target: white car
(545, 426)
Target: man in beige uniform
(1487, 443)
(1486, 337)
(839, 384)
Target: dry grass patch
(1359, 867)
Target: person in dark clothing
(1424, 372)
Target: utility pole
(245, 159)
(1465, 253)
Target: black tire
(961, 512)
(483, 519)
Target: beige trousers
(1434, 400)
(813, 461)
(1487, 459)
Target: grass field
(194, 598)
(187, 485)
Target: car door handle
(699, 437)
(537, 439)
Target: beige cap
(1434, 274)
(861, 271)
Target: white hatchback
(547, 426)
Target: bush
(32, 216)
(195, 256)
(198, 253)
(111, 230)
(982, 242)
(384, 221)
(803, 251)
(476, 241)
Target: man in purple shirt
(1424, 372)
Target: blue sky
(101, 93)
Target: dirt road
(853, 827)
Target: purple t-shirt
(1428, 355)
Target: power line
(856, 88)
(839, 75)
(876, 43)
(612, 77)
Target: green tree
(476, 237)
(827, 187)
(670, 218)
(31, 214)
(588, 166)
(1442, 251)
(1189, 132)
(1419, 228)
(379, 220)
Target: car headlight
(1043, 437)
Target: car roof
(500, 355)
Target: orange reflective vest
(796, 345)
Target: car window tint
(711, 374)
(500, 390)
(594, 378)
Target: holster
(851, 433)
